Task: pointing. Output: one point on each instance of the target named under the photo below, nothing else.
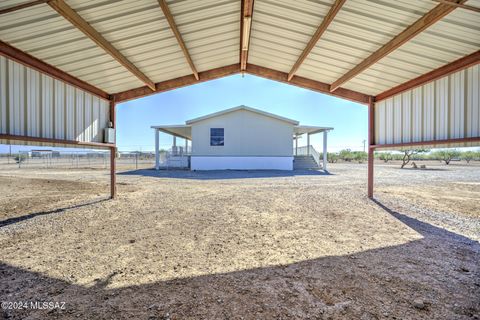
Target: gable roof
(257, 111)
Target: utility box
(109, 135)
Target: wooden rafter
(245, 28)
(22, 6)
(426, 143)
(177, 83)
(176, 32)
(459, 5)
(420, 25)
(234, 69)
(37, 64)
(337, 5)
(307, 84)
(58, 141)
(452, 67)
(68, 13)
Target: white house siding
(252, 141)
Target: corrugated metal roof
(281, 29)
(359, 29)
(449, 39)
(211, 31)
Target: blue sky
(135, 117)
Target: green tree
(446, 155)
(468, 156)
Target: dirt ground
(242, 245)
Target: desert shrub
(386, 156)
(332, 157)
(360, 156)
(346, 155)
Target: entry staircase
(306, 158)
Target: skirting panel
(241, 163)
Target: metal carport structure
(67, 63)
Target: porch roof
(299, 130)
(185, 131)
(180, 130)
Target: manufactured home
(241, 138)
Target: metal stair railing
(309, 151)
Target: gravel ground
(242, 245)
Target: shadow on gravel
(223, 174)
(436, 277)
(10, 221)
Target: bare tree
(409, 154)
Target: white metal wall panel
(36, 105)
(448, 108)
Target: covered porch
(307, 153)
(177, 156)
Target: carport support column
(325, 150)
(113, 152)
(371, 142)
(157, 150)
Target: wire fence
(76, 160)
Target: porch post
(325, 150)
(296, 144)
(371, 142)
(157, 151)
(113, 151)
(174, 147)
(308, 143)
(186, 147)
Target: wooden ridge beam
(177, 83)
(245, 30)
(22, 6)
(457, 65)
(307, 84)
(337, 5)
(431, 17)
(30, 61)
(176, 32)
(69, 14)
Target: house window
(217, 137)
